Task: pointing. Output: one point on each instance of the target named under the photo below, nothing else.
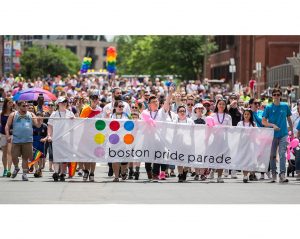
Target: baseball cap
(206, 102)
(199, 105)
(61, 99)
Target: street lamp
(232, 70)
(258, 75)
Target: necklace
(120, 117)
(154, 115)
(219, 118)
(244, 124)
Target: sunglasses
(181, 111)
(276, 94)
(24, 105)
(50, 105)
(147, 95)
(120, 106)
(190, 104)
(134, 107)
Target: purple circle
(99, 152)
(114, 138)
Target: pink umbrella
(32, 94)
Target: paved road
(44, 190)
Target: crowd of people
(27, 127)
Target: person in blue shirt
(276, 116)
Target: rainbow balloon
(86, 64)
(111, 59)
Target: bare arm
(290, 123)
(50, 132)
(8, 125)
(34, 121)
(166, 105)
(267, 124)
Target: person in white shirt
(182, 119)
(247, 121)
(62, 112)
(221, 117)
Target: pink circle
(99, 152)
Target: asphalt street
(104, 191)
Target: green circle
(100, 125)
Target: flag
(88, 112)
(36, 157)
(72, 169)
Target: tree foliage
(55, 60)
(177, 55)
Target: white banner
(106, 140)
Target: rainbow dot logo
(113, 137)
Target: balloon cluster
(292, 143)
(86, 64)
(111, 58)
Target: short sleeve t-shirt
(159, 115)
(257, 116)
(221, 119)
(298, 126)
(277, 114)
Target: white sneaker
(274, 178)
(269, 175)
(24, 177)
(233, 174)
(220, 180)
(226, 172)
(211, 174)
(282, 178)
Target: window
(38, 37)
(90, 38)
(104, 51)
(72, 49)
(90, 51)
(70, 37)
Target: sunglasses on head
(276, 94)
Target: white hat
(199, 105)
(61, 99)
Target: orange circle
(128, 139)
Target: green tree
(179, 55)
(55, 60)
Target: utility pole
(1, 55)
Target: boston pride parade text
(109, 140)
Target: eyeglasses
(276, 94)
(24, 105)
(181, 111)
(190, 104)
(134, 107)
(121, 106)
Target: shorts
(24, 150)
(3, 140)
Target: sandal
(116, 180)
(124, 176)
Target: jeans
(297, 160)
(282, 144)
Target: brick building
(247, 51)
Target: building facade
(93, 46)
(247, 51)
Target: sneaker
(36, 175)
(162, 175)
(130, 175)
(91, 177)
(252, 177)
(211, 174)
(233, 174)
(5, 173)
(172, 174)
(274, 178)
(226, 173)
(269, 175)
(196, 178)
(51, 170)
(180, 178)
(31, 169)
(24, 177)
(15, 172)
(220, 180)
(85, 175)
(245, 179)
(110, 172)
(8, 174)
(55, 177)
(282, 178)
(202, 177)
(184, 175)
(155, 178)
(124, 176)
(62, 177)
(136, 175)
(193, 174)
(79, 173)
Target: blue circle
(129, 125)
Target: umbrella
(32, 94)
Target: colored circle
(99, 138)
(128, 138)
(114, 125)
(100, 125)
(99, 152)
(129, 125)
(114, 138)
